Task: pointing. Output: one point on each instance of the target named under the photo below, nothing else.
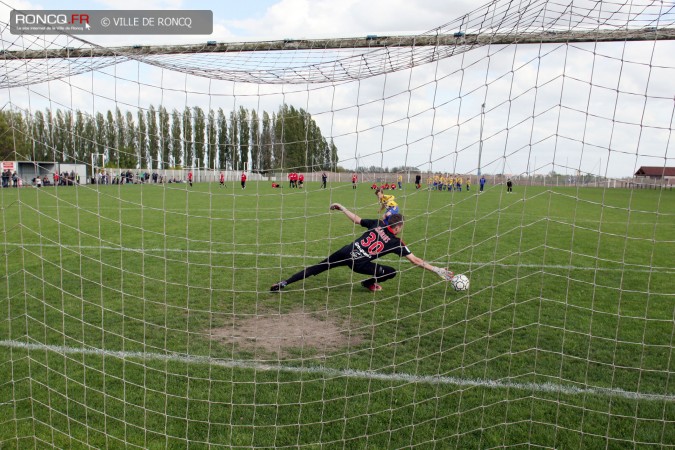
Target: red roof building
(658, 175)
(655, 172)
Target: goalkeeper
(380, 239)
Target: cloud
(349, 18)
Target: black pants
(342, 257)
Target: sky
(604, 109)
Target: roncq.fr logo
(51, 19)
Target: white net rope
(496, 22)
(136, 307)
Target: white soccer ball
(460, 282)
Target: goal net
(152, 196)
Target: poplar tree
(176, 141)
(187, 137)
(212, 140)
(223, 157)
(153, 138)
(199, 129)
(244, 136)
(164, 136)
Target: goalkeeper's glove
(444, 274)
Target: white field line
(476, 264)
(360, 374)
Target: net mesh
(528, 145)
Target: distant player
(301, 180)
(509, 186)
(418, 181)
(190, 178)
(222, 179)
(400, 181)
(243, 180)
(482, 182)
(354, 180)
(379, 240)
(388, 205)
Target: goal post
(97, 165)
(142, 314)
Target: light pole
(480, 143)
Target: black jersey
(377, 241)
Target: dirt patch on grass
(293, 333)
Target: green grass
(570, 287)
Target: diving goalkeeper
(380, 239)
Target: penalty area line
(547, 387)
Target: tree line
(156, 138)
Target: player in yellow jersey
(387, 204)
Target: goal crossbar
(458, 39)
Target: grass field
(565, 339)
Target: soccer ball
(460, 282)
